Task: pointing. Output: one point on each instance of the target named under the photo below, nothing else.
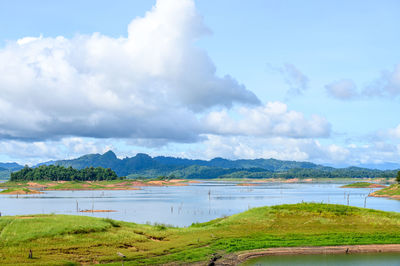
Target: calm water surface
(182, 206)
(379, 259)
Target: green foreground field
(68, 240)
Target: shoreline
(396, 197)
(44, 186)
(243, 256)
(391, 192)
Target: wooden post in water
(348, 195)
(365, 202)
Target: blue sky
(308, 80)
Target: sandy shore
(236, 258)
(247, 184)
(370, 186)
(21, 192)
(397, 197)
(97, 211)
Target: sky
(314, 81)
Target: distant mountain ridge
(11, 166)
(7, 168)
(143, 165)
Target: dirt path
(240, 257)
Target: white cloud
(387, 85)
(40, 151)
(58, 96)
(344, 89)
(276, 147)
(392, 132)
(240, 147)
(151, 84)
(296, 80)
(272, 119)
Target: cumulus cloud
(312, 150)
(61, 97)
(235, 147)
(151, 84)
(272, 119)
(40, 151)
(344, 89)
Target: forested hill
(142, 165)
(57, 173)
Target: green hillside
(76, 240)
(144, 166)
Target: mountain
(381, 166)
(4, 173)
(143, 165)
(7, 168)
(11, 166)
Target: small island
(363, 185)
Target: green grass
(69, 185)
(61, 239)
(76, 185)
(19, 190)
(358, 185)
(393, 190)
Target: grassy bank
(392, 191)
(363, 185)
(90, 185)
(61, 239)
(19, 191)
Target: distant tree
(398, 177)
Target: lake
(371, 259)
(182, 206)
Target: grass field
(65, 240)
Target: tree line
(61, 173)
